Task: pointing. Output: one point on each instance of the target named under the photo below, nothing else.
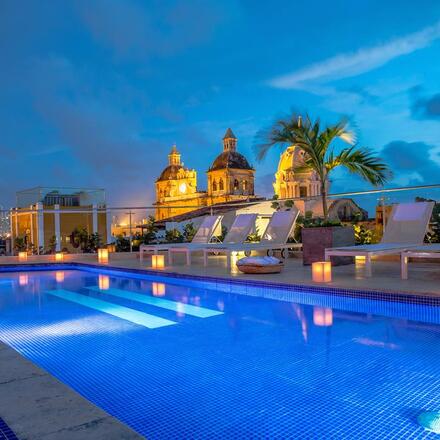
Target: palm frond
(284, 132)
(362, 162)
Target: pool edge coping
(384, 295)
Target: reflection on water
(59, 276)
(104, 282)
(375, 343)
(180, 310)
(158, 289)
(221, 305)
(299, 312)
(23, 280)
(322, 316)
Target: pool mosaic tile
(275, 364)
(6, 432)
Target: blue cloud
(427, 108)
(412, 162)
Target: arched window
(236, 185)
(245, 185)
(221, 185)
(214, 185)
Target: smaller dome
(171, 172)
(230, 159)
(292, 158)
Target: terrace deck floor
(424, 277)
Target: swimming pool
(185, 359)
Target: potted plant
(320, 156)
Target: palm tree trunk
(324, 200)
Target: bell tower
(229, 141)
(174, 156)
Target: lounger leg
(368, 265)
(205, 258)
(141, 255)
(327, 256)
(228, 260)
(404, 267)
(170, 257)
(188, 257)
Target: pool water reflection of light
(179, 359)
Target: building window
(236, 185)
(303, 191)
(221, 185)
(245, 185)
(214, 186)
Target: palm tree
(316, 142)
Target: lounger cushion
(258, 261)
(260, 265)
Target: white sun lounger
(405, 229)
(428, 251)
(275, 237)
(202, 237)
(239, 231)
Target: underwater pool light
(430, 420)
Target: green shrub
(173, 236)
(189, 231)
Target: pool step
(187, 309)
(140, 318)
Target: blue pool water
(179, 359)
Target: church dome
(171, 172)
(175, 169)
(230, 159)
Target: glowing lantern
(22, 256)
(157, 261)
(322, 317)
(23, 280)
(59, 276)
(111, 248)
(322, 272)
(104, 282)
(158, 289)
(102, 255)
(59, 256)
